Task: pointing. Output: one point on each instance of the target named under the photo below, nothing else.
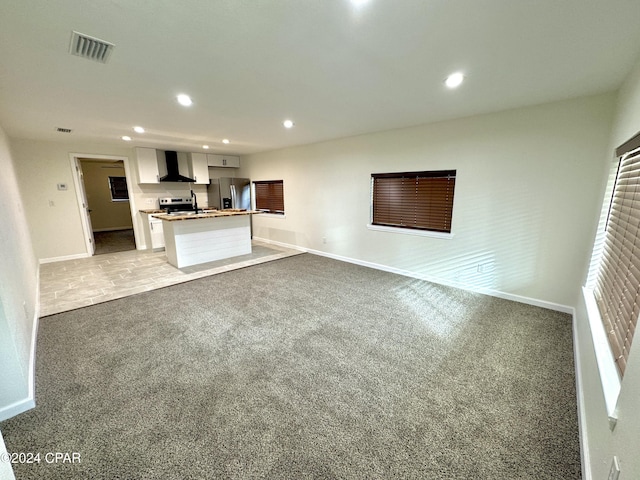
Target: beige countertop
(153, 210)
(205, 214)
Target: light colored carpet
(304, 367)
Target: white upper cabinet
(231, 161)
(223, 160)
(199, 168)
(147, 160)
(152, 164)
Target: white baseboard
(492, 293)
(63, 258)
(17, 408)
(280, 244)
(34, 341)
(585, 458)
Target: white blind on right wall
(617, 288)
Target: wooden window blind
(270, 196)
(418, 200)
(617, 288)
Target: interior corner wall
(53, 215)
(18, 292)
(528, 183)
(601, 443)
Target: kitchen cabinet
(148, 170)
(215, 160)
(195, 239)
(153, 232)
(157, 233)
(199, 168)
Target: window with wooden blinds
(617, 288)
(270, 196)
(118, 188)
(418, 200)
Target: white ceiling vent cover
(90, 48)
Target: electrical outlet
(614, 471)
(487, 267)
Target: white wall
(57, 230)
(18, 293)
(527, 187)
(602, 443)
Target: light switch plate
(614, 471)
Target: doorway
(103, 189)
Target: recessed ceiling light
(287, 124)
(138, 129)
(454, 80)
(358, 3)
(206, 147)
(225, 140)
(184, 100)
(126, 138)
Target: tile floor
(79, 283)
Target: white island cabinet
(194, 239)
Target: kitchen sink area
(191, 235)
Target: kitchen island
(194, 238)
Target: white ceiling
(335, 69)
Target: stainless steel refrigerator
(229, 193)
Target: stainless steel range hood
(173, 169)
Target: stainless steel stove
(176, 204)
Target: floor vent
(63, 130)
(90, 48)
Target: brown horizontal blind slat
(270, 196)
(617, 288)
(419, 200)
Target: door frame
(81, 190)
(74, 159)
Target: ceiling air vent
(90, 48)
(63, 130)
